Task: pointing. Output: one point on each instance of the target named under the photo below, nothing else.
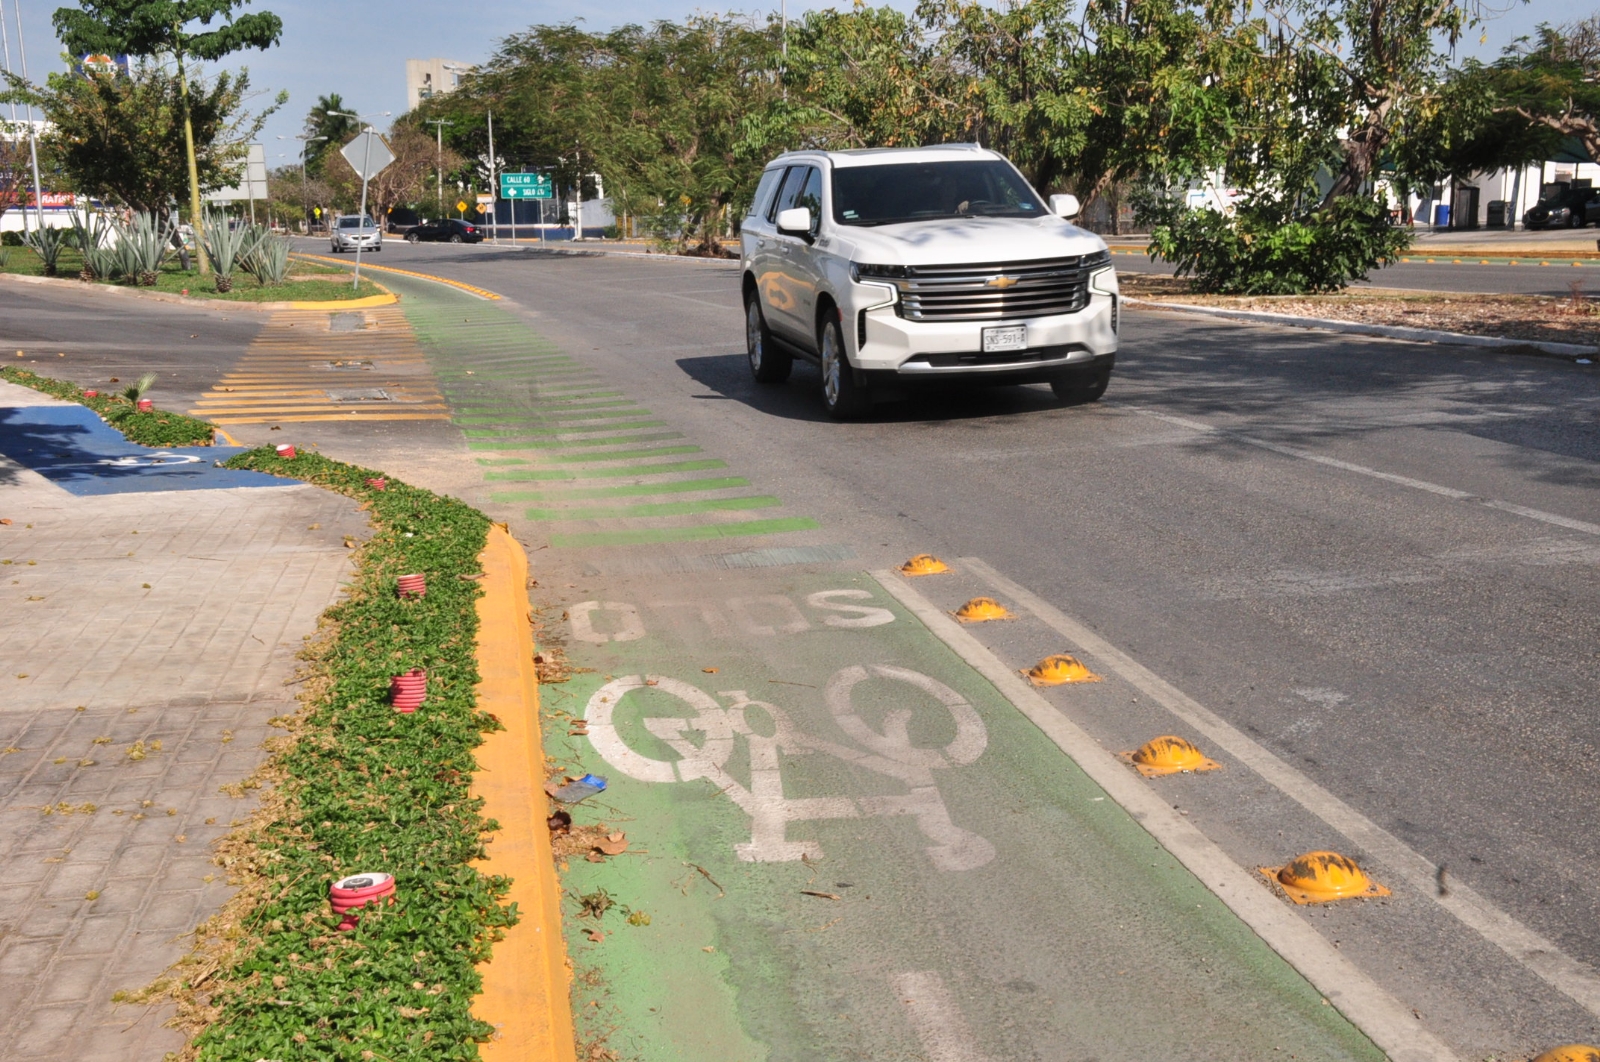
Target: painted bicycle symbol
(888, 751)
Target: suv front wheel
(1081, 387)
(841, 395)
(767, 363)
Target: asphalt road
(1429, 660)
(1373, 560)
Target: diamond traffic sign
(526, 186)
(367, 154)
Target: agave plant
(91, 234)
(48, 244)
(142, 245)
(228, 247)
(268, 260)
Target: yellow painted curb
(482, 293)
(365, 303)
(526, 984)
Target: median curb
(526, 984)
(1565, 351)
(388, 298)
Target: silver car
(352, 231)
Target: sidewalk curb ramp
(1421, 335)
(526, 984)
(388, 298)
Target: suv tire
(842, 397)
(1080, 388)
(768, 364)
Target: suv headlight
(860, 271)
(1096, 260)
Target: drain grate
(356, 366)
(365, 394)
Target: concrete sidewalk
(147, 637)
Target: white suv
(899, 265)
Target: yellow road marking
(482, 293)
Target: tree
(152, 28)
(328, 125)
(122, 136)
(405, 181)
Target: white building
(430, 77)
(1469, 201)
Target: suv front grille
(996, 290)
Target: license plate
(1006, 337)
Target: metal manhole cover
(345, 365)
(366, 394)
(347, 322)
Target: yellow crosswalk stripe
(321, 365)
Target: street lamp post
(305, 202)
(438, 168)
(33, 143)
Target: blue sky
(358, 48)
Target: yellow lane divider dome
(924, 564)
(1323, 877)
(1168, 755)
(1571, 1053)
(982, 609)
(1058, 670)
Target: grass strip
(355, 786)
(157, 427)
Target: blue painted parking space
(76, 450)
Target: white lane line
(1387, 1022)
(1574, 979)
(943, 1033)
(1388, 477)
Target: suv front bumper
(907, 350)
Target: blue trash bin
(1441, 215)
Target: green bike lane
(844, 842)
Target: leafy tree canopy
(165, 27)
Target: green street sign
(525, 186)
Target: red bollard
(348, 895)
(90, 394)
(285, 450)
(378, 484)
(146, 405)
(411, 586)
(408, 691)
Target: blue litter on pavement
(76, 450)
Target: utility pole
(33, 141)
(438, 167)
(494, 186)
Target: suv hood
(949, 241)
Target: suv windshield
(924, 191)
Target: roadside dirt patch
(1570, 319)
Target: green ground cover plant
(158, 427)
(306, 282)
(355, 786)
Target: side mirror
(1064, 206)
(796, 221)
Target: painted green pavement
(839, 749)
(843, 842)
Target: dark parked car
(1570, 208)
(446, 230)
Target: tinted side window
(811, 197)
(792, 183)
(764, 191)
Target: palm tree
(328, 121)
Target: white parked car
(899, 265)
(351, 231)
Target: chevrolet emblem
(1002, 282)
